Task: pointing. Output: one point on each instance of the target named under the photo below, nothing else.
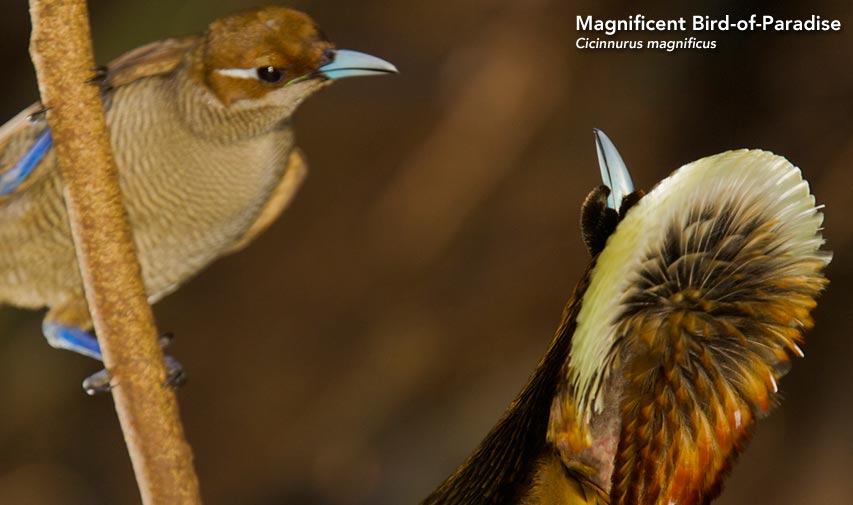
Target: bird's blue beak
(614, 173)
(348, 63)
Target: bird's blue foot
(72, 338)
(18, 173)
(100, 382)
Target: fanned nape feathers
(671, 346)
(694, 307)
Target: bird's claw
(165, 339)
(97, 383)
(100, 382)
(176, 376)
(39, 114)
(99, 77)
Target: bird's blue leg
(63, 335)
(18, 173)
(76, 339)
(72, 338)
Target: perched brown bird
(200, 127)
(672, 344)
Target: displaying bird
(672, 344)
(201, 132)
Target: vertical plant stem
(61, 51)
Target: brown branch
(61, 51)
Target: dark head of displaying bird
(672, 344)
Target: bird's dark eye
(270, 74)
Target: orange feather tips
(694, 307)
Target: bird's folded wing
(157, 58)
(25, 144)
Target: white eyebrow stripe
(240, 73)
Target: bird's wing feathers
(156, 58)
(695, 305)
(24, 141)
(24, 144)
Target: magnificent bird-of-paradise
(672, 344)
(201, 131)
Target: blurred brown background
(361, 348)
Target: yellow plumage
(672, 345)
